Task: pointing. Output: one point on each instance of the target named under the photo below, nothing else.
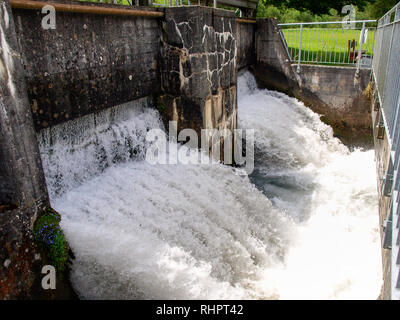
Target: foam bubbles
(304, 225)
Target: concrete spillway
(140, 230)
(308, 230)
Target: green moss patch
(50, 237)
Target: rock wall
(198, 68)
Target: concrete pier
(23, 192)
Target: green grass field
(326, 45)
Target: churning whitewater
(303, 225)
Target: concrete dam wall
(88, 63)
(93, 62)
(183, 61)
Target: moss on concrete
(50, 237)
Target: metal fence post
(301, 36)
(360, 48)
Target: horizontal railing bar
(333, 64)
(328, 22)
(78, 8)
(62, 7)
(388, 24)
(356, 28)
(241, 20)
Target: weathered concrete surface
(382, 159)
(341, 98)
(94, 62)
(273, 68)
(334, 92)
(198, 68)
(22, 177)
(88, 63)
(23, 192)
(245, 43)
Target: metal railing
(164, 3)
(386, 73)
(173, 3)
(330, 43)
(251, 4)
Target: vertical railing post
(397, 13)
(301, 36)
(285, 44)
(360, 48)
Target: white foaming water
(329, 191)
(203, 232)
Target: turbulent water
(303, 225)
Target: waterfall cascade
(303, 225)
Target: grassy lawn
(326, 45)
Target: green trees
(379, 7)
(316, 6)
(286, 15)
(327, 10)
